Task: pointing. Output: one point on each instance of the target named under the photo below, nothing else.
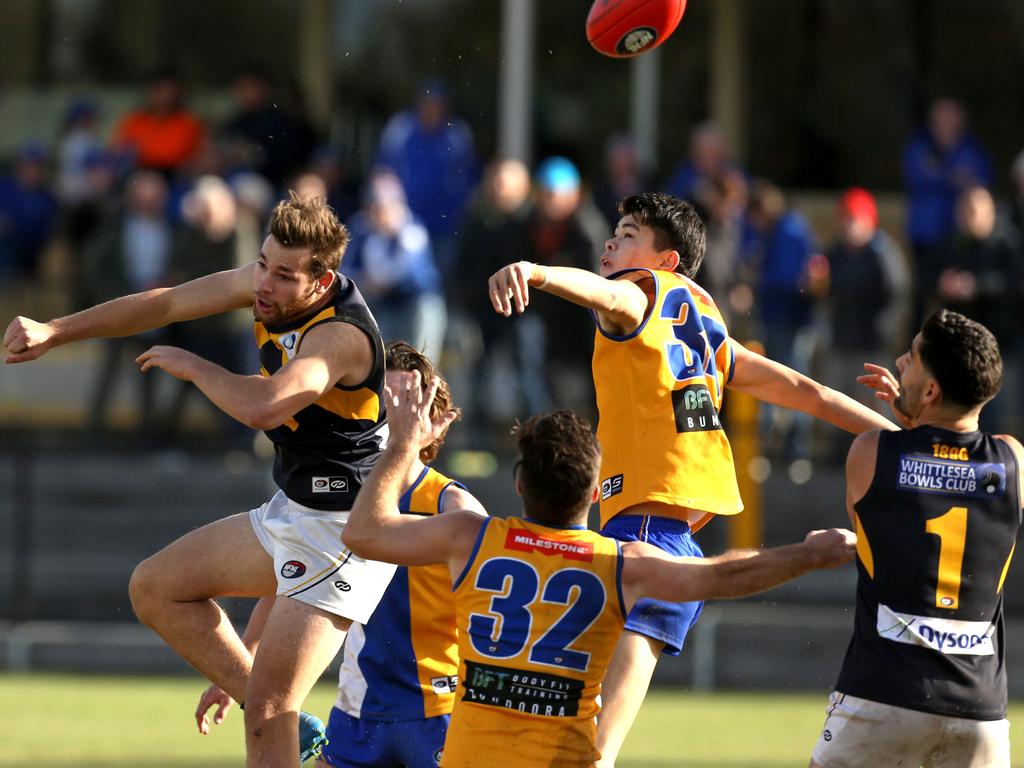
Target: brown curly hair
(402, 356)
(309, 222)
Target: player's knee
(261, 706)
(144, 589)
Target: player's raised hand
(509, 288)
(409, 403)
(212, 696)
(886, 387)
(26, 339)
(177, 362)
(832, 547)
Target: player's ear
(519, 485)
(931, 393)
(325, 281)
(595, 494)
(669, 260)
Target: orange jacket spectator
(162, 134)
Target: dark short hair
(559, 460)
(402, 356)
(676, 226)
(963, 356)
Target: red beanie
(859, 204)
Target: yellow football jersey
(403, 664)
(539, 612)
(659, 393)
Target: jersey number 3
(504, 631)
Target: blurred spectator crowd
(168, 197)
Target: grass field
(89, 722)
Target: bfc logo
(694, 409)
(293, 569)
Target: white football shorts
(312, 564)
(859, 733)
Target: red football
(624, 28)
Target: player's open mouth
(263, 306)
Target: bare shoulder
(860, 464)
(346, 349)
(1014, 443)
(1018, 451)
(864, 447)
(456, 499)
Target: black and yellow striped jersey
(325, 451)
(936, 532)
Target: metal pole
(645, 105)
(515, 88)
(21, 536)
(727, 72)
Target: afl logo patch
(437, 755)
(289, 342)
(293, 569)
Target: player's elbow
(264, 416)
(358, 539)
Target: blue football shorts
(667, 622)
(352, 741)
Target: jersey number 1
(951, 528)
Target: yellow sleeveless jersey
(659, 393)
(539, 612)
(404, 663)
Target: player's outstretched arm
(375, 529)
(775, 383)
(650, 572)
(26, 339)
(330, 353)
(621, 305)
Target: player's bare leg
(298, 643)
(172, 593)
(623, 691)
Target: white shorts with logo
(312, 564)
(859, 733)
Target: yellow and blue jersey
(404, 663)
(659, 394)
(539, 611)
(323, 453)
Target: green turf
(93, 722)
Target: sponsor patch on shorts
(949, 636)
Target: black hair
(963, 356)
(676, 226)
